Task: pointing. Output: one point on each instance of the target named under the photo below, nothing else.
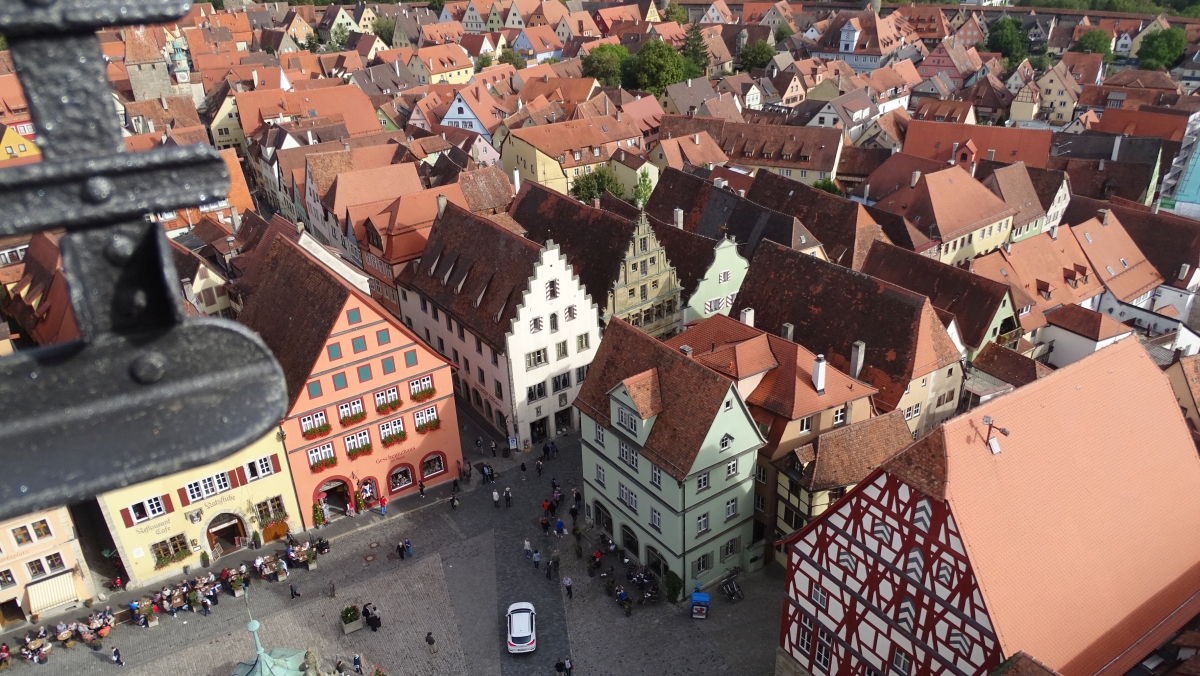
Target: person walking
(116, 658)
(553, 450)
(538, 465)
(400, 549)
(578, 497)
(545, 508)
(545, 526)
(496, 498)
(382, 505)
(537, 559)
(528, 549)
(570, 667)
(567, 584)
(574, 512)
(546, 451)
(553, 508)
(553, 484)
(508, 497)
(421, 487)
(431, 642)
(357, 664)
(493, 448)
(292, 588)
(558, 526)
(560, 667)
(522, 471)
(453, 502)
(408, 548)
(479, 444)
(554, 560)
(454, 487)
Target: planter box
(152, 621)
(238, 593)
(353, 626)
(311, 565)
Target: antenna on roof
(993, 443)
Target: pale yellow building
(41, 566)
(442, 64)
(16, 146)
(556, 155)
(1060, 94)
(162, 527)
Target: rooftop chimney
(441, 202)
(1054, 232)
(188, 291)
(163, 101)
(689, 82)
(618, 116)
(972, 170)
(991, 155)
(1183, 271)
(787, 331)
(818, 374)
(396, 67)
(686, 350)
(741, 193)
(1154, 207)
(1103, 216)
(858, 353)
(696, 139)
(953, 151)
(916, 176)
(748, 316)
(1116, 148)
(596, 202)
(1101, 165)
(679, 218)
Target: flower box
(318, 431)
(388, 406)
(152, 621)
(172, 559)
(422, 395)
(351, 627)
(354, 418)
(393, 439)
(354, 453)
(239, 592)
(323, 464)
(352, 620)
(426, 428)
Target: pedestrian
(408, 548)
(453, 503)
(421, 487)
(538, 466)
(545, 526)
(537, 558)
(454, 488)
(357, 664)
(578, 496)
(116, 658)
(493, 448)
(557, 497)
(496, 498)
(558, 526)
(479, 444)
(340, 668)
(554, 561)
(430, 641)
(508, 497)
(553, 508)
(553, 450)
(553, 485)
(382, 505)
(205, 605)
(545, 508)
(546, 451)
(574, 512)
(400, 549)
(560, 667)
(549, 570)
(528, 549)
(522, 471)
(567, 584)
(292, 588)
(570, 667)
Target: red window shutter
(127, 518)
(166, 500)
(233, 478)
(241, 472)
(183, 498)
(275, 462)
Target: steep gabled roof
(950, 201)
(846, 455)
(1115, 258)
(831, 307)
(1168, 241)
(491, 268)
(936, 140)
(691, 394)
(486, 189)
(1009, 366)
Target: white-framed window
(723, 277)
(425, 415)
(714, 305)
(731, 509)
(552, 289)
(901, 662)
(818, 595)
(760, 473)
(702, 564)
(582, 342)
(560, 350)
(535, 324)
(570, 313)
(917, 410)
(627, 496)
(600, 475)
(702, 523)
(806, 424)
(310, 421)
(839, 416)
(147, 509)
(350, 408)
(390, 427)
(760, 503)
(824, 644)
(806, 627)
(420, 384)
(726, 442)
(628, 455)
(320, 453)
(357, 440)
(702, 482)
(536, 358)
(655, 476)
(260, 468)
(655, 519)
(627, 419)
(386, 396)
(599, 435)
(217, 483)
(731, 468)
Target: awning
(52, 592)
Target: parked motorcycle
(729, 586)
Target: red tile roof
(1087, 323)
(935, 140)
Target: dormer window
(628, 419)
(726, 442)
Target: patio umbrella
(321, 495)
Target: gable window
(570, 313)
(335, 351)
(628, 455)
(353, 316)
(627, 419)
(726, 442)
(359, 344)
(535, 325)
(552, 289)
(553, 323)
(389, 365)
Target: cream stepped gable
(513, 317)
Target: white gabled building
(510, 314)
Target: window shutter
(275, 462)
(167, 505)
(695, 569)
(183, 498)
(127, 518)
(233, 478)
(241, 472)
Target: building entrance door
(537, 431)
(629, 540)
(337, 497)
(603, 518)
(227, 530)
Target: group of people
(489, 474)
(199, 594)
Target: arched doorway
(369, 490)
(400, 478)
(336, 496)
(603, 517)
(629, 540)
(226, 530)
(655, 561)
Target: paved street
(470, 566)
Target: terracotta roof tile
(1116, 259)
(1087, 323)
(1043, 273)
(846, 455)
(644, 391)
(935, 140)
(1009, 366)
(1168, 241)
(486, 189)
(1012, 184)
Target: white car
(522, 628)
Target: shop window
(432, 466)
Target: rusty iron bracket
(147, 391)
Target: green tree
(591, 186)
(1095, 42)
(782, 32)
(312, 44)
(482, 62)
(757, 54)
(437, 5)
(604, 63)
(385, 28)
(1192, 12)
(676, 13)
(694, 51)
(512, 58)
(655, 67)
(338, 37)
(553, 59)
(828, 186)
(1007, 38)
(641, 191)
(1161, 49)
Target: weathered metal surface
(147, 392)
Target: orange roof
(401, 54)
(403, 225)
(1113, 255)
(698, 150)
(936, 140)
(352, 188)
(1087, 323)
(1075, 577)
(1142, 123)
(347, 103)
(644, 393)
(442, 58)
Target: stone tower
(149, 75)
